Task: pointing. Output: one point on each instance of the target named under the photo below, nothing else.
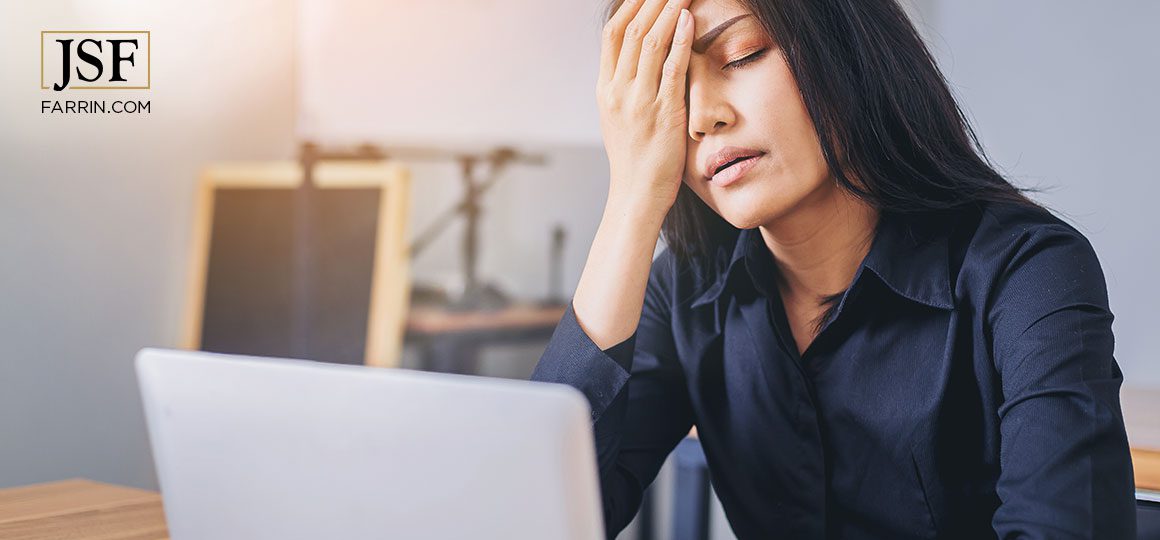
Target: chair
(1147, 515)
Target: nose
(709, 111)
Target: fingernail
(683, 19)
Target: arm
(1065, 467)
(636, 388)
(618, 322)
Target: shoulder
(1031, 257)
(1011, 225)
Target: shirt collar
(909, 257)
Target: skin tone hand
(641, 95)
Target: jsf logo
(96, 60)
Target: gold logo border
(148, 61)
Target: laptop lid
(249, 447)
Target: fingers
(655, 46)
(626, 62)
(676, 66)
(613, 36)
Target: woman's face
(752, 104)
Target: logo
(100, 60)
(95, 60)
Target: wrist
(639, 213)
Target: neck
(819, 246)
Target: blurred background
(99, 215)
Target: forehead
(710, 13)
(719, 22)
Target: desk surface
(435, 320)
(1143, 423)
(79, 508)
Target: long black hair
(890, 130)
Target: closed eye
(741, 62)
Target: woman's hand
(641, 95)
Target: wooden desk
(1143, 423)
(1147, 468)
(451, 341)
(78, 508)
(436, 320)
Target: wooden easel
(306, 181)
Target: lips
(727, 157)
(732, 173)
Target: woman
(874, 334)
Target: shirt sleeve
(640, 403)
(1065, 467)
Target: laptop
(266, 448)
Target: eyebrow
(702, 43)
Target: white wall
(95, 214)
(1063, 95)
(514, 71)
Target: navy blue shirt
(965, 387)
